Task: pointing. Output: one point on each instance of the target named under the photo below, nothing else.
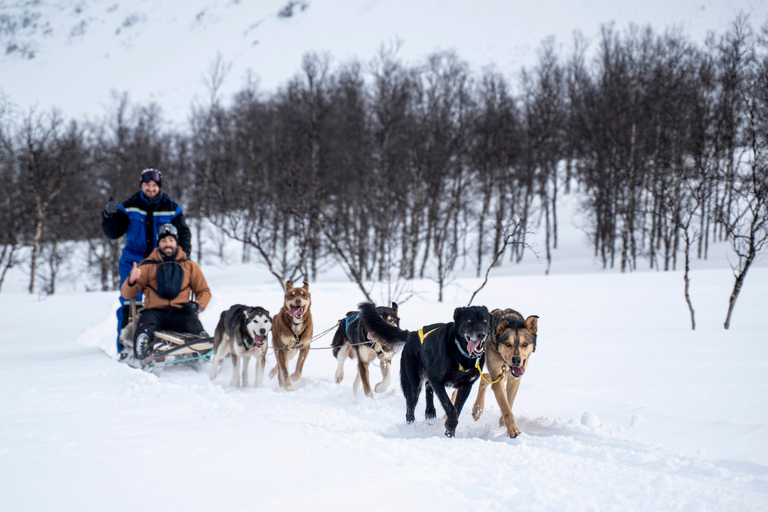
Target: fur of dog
(292, 334)
(444, 354)
(508, 352)
(242, 331)
(352, 340)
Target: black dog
(446, 354)
(352, 340)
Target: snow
(623, 407)
(158, 50)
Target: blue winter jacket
(138, 220)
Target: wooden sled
(172, 347)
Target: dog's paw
(213, 373)
(510, 425)
(273, 372)
(381, 387)
(295, 376)
(477, 411)
(339, 377)
(430, 413)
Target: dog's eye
(485, 321)
(507, 344)
(525, 345)
(469, 321)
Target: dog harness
(349, 320)
(503, 371)
(423, 336)
(297, 338)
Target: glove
(111, 208)
(191, 307)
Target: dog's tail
(378, 326)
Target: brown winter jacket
(193, 281)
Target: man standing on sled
(167, 277)
(139, 219)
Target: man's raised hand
(111, 208)
(135, 274)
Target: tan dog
(292, 334)
(507, 352)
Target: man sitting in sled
(167, 278)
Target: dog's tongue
(258, 339)
(472, 346)
(518, 371)
(296, 311)
(369, 336)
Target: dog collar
(464, 352)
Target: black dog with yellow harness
(450, 354)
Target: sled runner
(167, 348)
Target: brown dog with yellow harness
(511, 343)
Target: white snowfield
(623, 407)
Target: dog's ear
(532, 324)
(288, 285)
(503, 326)
(394, 306)
(306, 285)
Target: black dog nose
(263, 331)
(515, 361)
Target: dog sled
(168, 348)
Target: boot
(142, 346)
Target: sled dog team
(437, 356)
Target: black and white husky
(242, 331)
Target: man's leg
(150, 320)
(187, 323)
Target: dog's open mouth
(296, 311)
(258, 340)
(517, 371)
(474, 347)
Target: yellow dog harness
(423, 336)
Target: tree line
(397, 171)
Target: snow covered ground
(623, 407)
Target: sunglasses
(148, 175)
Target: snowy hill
(71, 54)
